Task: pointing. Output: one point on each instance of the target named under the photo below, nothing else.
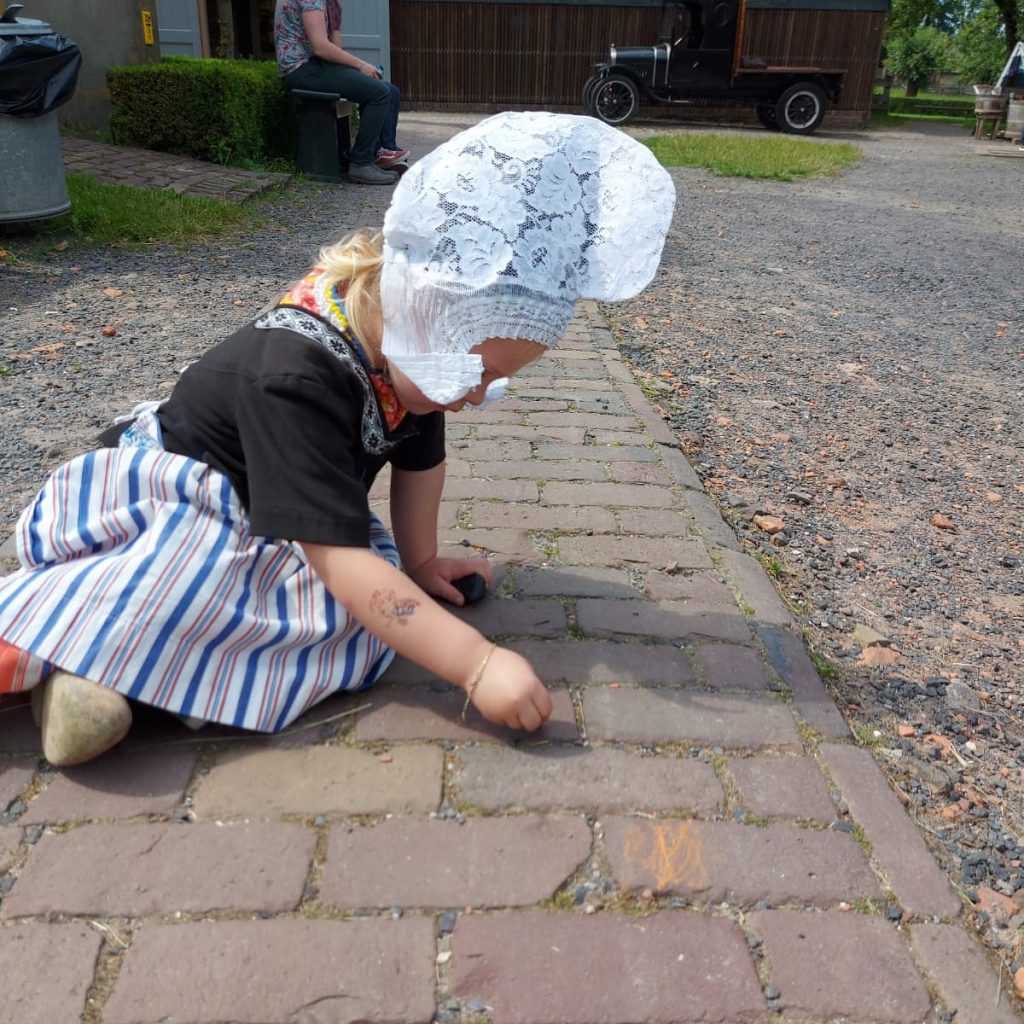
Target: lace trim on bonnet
(499, 231)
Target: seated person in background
(307, 41)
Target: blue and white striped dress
(139, 572)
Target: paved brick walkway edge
(144, 168)
(694, 836)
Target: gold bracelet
(477, 675)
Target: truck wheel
(616, 99)
(766, 115)
(800, 108)
(588, 89)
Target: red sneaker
(389, 157)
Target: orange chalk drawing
(666, 856)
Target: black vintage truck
(745, 51)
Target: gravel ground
(844, 355)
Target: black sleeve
(424, 450)
(302, 448)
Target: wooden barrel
(989, 106)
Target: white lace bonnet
(497, 232)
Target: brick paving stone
(639, 473)
(482, 451)
(703, 588)
(138, 870)
(718, 861)
(789, 658)
(541, 517)
(841, 965)
(897, 846)
(596, 663)
(532, 432)
(587, 390)
(586, 420)
(498, 616)
(728, 667)
(645, 551)
(10, 839)
(619, 436)
(15, 775)
(553, 778)
(655, 522)
(602, 406)
(757, 588)
(791, 787)
(537, 470)
(682, 472)
(447, 514)
(511, 545)
(529, 406)
(657, 427)
(498, 490)
(548, 968)
(961, 974)
(401, 713)
(486, 862)
(254, 972)
(504, 415)
(554, 451)
(20, 734)
(709, 517)
(321, 780)
(47, 971)
(664, 715)
(579, 581)
(120, 784)
(667, 620)
(628, 495)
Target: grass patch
(103, 214)
(899, 120)
(754, 156)
(772, 564)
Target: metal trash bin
(38, 73)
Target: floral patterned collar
(315, 295)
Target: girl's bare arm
(392, 607)
(415, 497)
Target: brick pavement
(694, 836)
(145, 168)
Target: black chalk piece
(472, 588)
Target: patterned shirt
(290, 42)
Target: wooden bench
(324, 136)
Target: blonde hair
(355, 263)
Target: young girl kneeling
(219, 559)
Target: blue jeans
(377, 102)
(388, 133)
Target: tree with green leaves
(914, 56)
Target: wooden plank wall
(844, 39)
(498, 56)
(506, 54)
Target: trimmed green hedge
(225, 111)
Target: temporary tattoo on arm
(391, 606)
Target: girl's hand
(369, 69)
(435, 576)
(509, 692)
